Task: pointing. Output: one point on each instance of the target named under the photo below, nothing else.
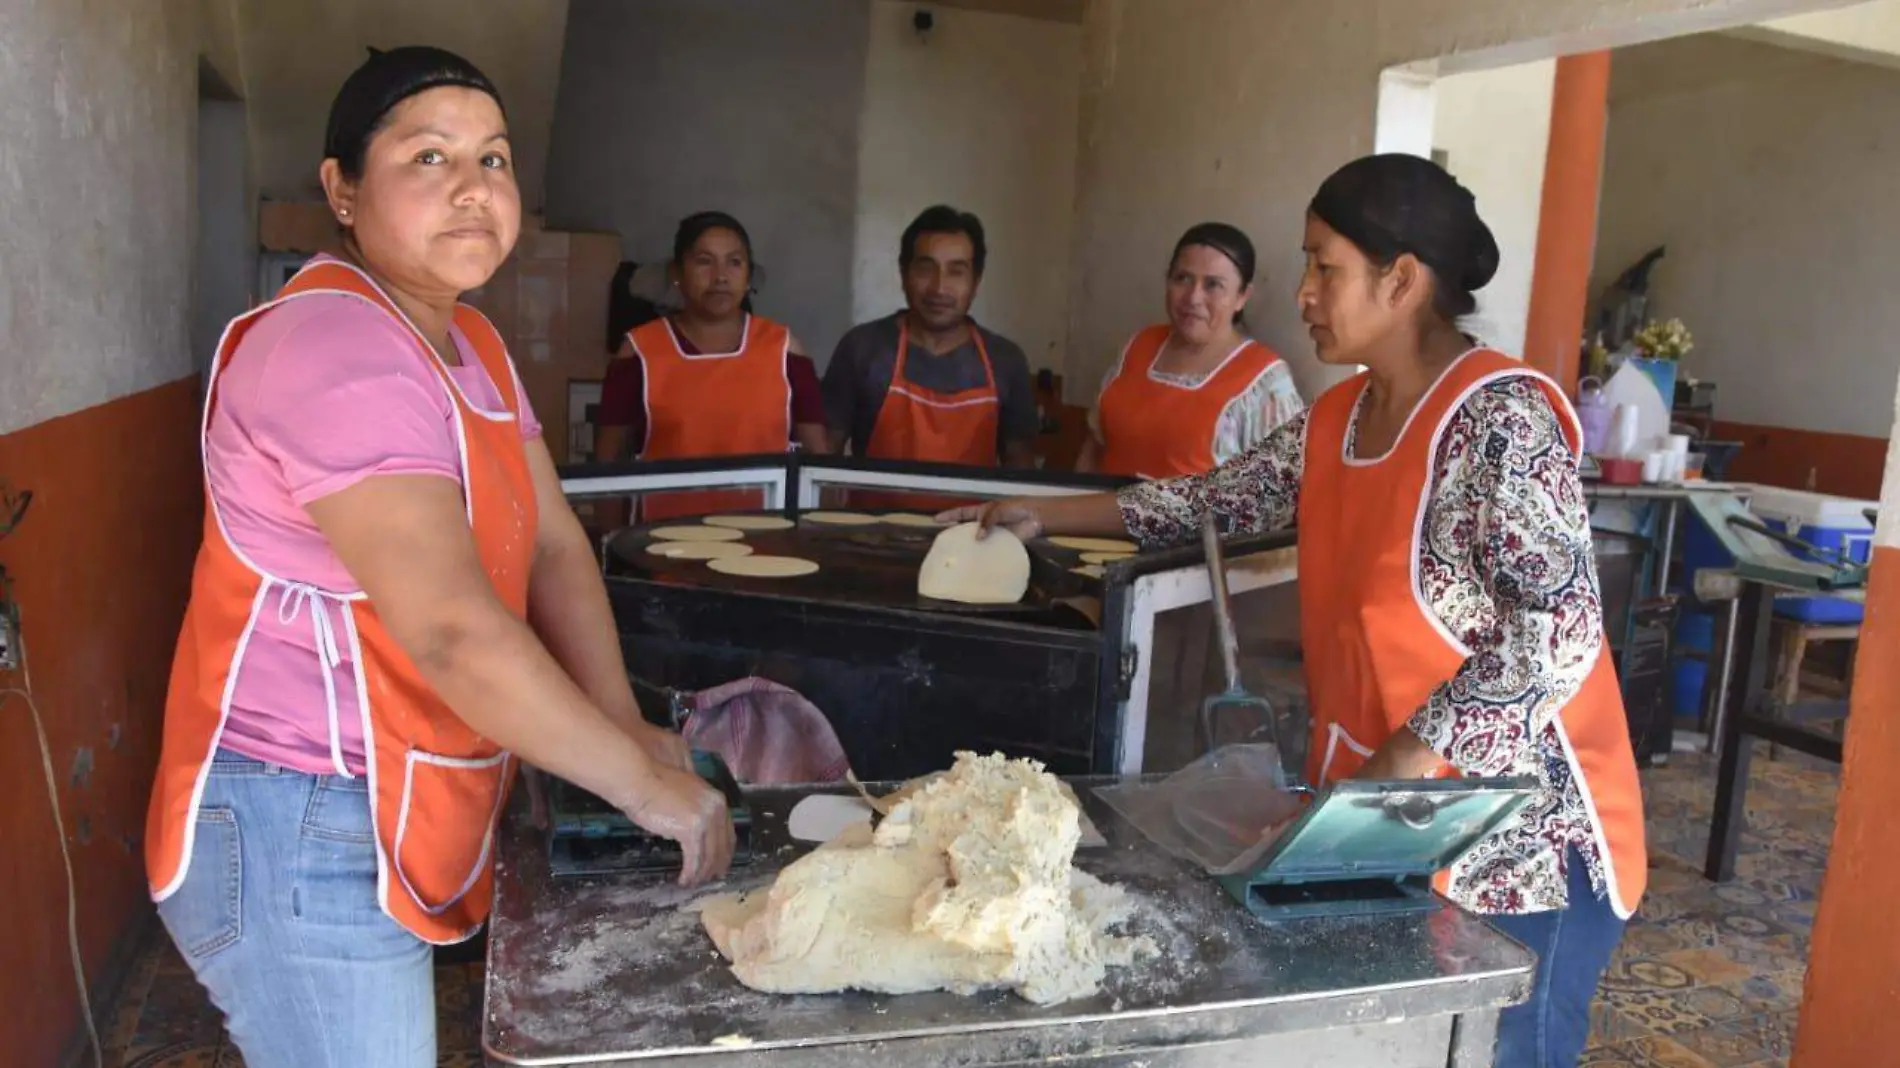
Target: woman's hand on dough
(681, 806)
(1018, 516)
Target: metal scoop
(1254, 712)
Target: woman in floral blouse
(1450, 614)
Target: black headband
(384, 80)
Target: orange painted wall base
(101, 567)
(1850, 1012)
(1846, 465)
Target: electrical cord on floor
(25, 693)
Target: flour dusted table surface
(613, 972)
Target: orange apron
(1156, 430)
(436, 787)
(720, 405)
(1374, 649)
(927, 426)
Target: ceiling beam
(1048, 10)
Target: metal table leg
(1474, 1039)
(1672, 510)
(1723, 671)
(1754, 616)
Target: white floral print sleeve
(1505, 563)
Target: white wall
(1494, 128)
(982, 115)
(1770, 176)
(1869, 31)
(669, 107)
(1408, 105)
(96, 161)
(1237, 109)
(226, 247)
(296, 54)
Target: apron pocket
(445, 827)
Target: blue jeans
(278, 918)
(1573, 947)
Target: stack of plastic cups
(1676, 464)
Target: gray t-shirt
(860, 375)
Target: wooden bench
(1796, 636)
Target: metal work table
(614, 972)
(1670, 497)
(1749, 711)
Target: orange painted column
(1850, 1012)
(1567, 220)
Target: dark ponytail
(694, 226)
(385, 79)
(1394, 204)
(1227, 240)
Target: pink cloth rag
(768, 734)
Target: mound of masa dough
(966, 885)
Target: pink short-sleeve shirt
(323, 392)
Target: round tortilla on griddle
(700, 550)
(909, 519)
(764, 566)
(840, 519)
(749, 522)
(694, 533)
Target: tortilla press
(1366, 848)
(587, 836)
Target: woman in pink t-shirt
(346, 427)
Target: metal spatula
(1252, 713)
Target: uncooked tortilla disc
(909, 519)
(1104, 558)
(962, 567)
(700, 550)
(840, 519)
(694, 534)
(749, 522)
(1088, 570)
(1096, 545)
(764, 566)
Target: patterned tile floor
(1707, 976)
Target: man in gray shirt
(928, 383)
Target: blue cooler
(1834, 523)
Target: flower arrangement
(1664, 340)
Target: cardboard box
(297, 226)
(549, 301)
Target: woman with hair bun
(393, 604)
(1194, 392)
(1450, 617)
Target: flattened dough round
(1088, 570)
(964, 568)
(700, 550)
(694, 533)
(1096, 545)
(821, 817)
(840, 519)
(909, 519)
(749, 522)
(1104, 558)
(764, 566)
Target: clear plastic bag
(1221, 813)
